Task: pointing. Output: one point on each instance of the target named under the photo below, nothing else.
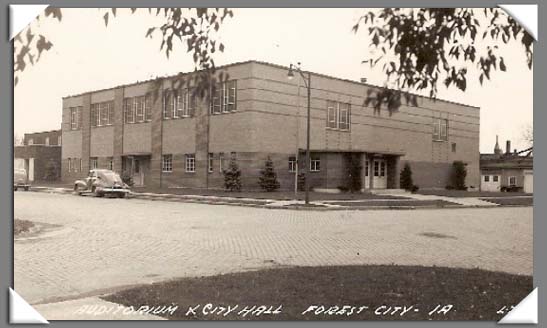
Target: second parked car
(102, 182)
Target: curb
(267, 203)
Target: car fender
(80, 184)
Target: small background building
(500, 171)
(40, 155)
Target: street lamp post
(307, 82)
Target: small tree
(354, 173)
(232, 177)
(268, 177)
(459, 172)
(406, 177)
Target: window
(93, 163)
(102, 114)
(292, 164)
(138, 104)
(440, 129)
(486, 178)
(75, 113)
(128, 110)
(80, 164)
(30, 141)
(220, 162)
(512, 181)
(168, 104)
(47, 141)
(376, 168)
(453, 147)
(224, 99)
(167, 163)
(338, 115)
(211, 162)
(148, 107)
(70, 165)
(382, 169)
(495, 178)
(315, 164)
(185, 103)
(110, 163)
(332, 118)
(190, 163)
(59, 140)
(367, 168)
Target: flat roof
(271, 65)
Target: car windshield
(110, 176)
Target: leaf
(503, 68)
(105, 19)
(149, 32)
(221, 47)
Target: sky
(87, 56)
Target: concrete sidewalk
(412, 200)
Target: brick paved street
(97, 245)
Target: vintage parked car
(102, 182)
(20, 179)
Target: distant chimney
(363, 80)
(508, 146)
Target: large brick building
(185, 141)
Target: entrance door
(138, 173)
(379, 167)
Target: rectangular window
(74, 119)
(332, 117)
(382, 169)
(47, 141)
(315, 164)
(224, 98)
(376, 168)
(80, 165)
(110, 163)
(102, 114)
(30, 141)
(210, 162)
(512, 181)
(139, 108)
(440, 129)
(168, 104)
(292, 164)
(367, 168)
(486, 178)
(338, 115)
(453, 147)
(344, 114)
(190, 163)
(220, 162)
(167, 163)
(495, 178)
(70, 165)
(93, 163)
(128, 110)
(59, 140)
(180, 106)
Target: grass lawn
(277, 195)
(473, 294)
(21, 226)
(464, 193)
(519, 201)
